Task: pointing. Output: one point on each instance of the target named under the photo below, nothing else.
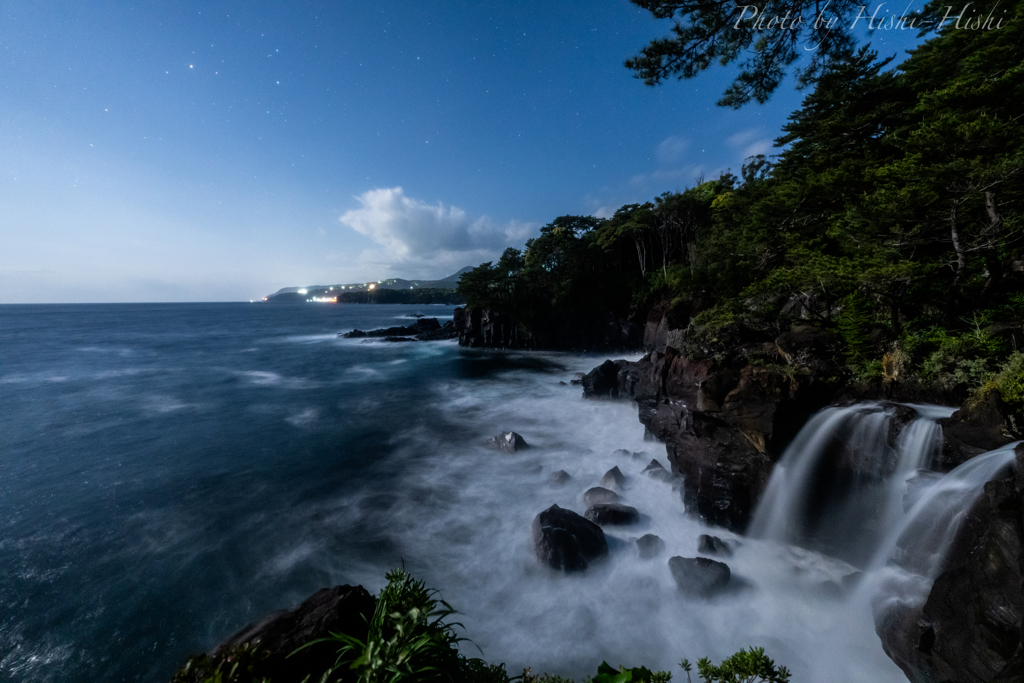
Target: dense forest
(891, 215)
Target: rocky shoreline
(725, 421)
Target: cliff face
(567, 331)
(725, 420)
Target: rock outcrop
(507, 442)
(599, 494)
(970, 628)
(565, 541)
(725, 421)
(699, 577)
(270, 642)
(422, 328)
(565, 330)
(612, 514)
(978, 427)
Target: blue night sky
(219, 151)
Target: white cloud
(749, 142)
(425, 240)
(671, 150)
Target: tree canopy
(764, 38)
(892, 214)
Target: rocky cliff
(492, 328)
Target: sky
(195, 151)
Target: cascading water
(848, 487)
(840, 484)
(910, 556)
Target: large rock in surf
(613, 479)
(599, 494)
(565, 541)
(699, 577)
(971, 626)
(713, 545)
(423, 326)
(509, 442)
(612, 514)
(273, 639)
(649, 546)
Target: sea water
(169, 473)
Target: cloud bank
(420, 240)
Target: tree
(767, 36)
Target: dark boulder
(565, 541)
(509, 442)
(612, 514)
(656, 470)
(713, 545)
(613, 479)
(971, 626)
(598, 495)
(978, 427)
(559, 478)
(423, 326)
(270, 642)
(699, 577)
(603, 381)
(649, 546)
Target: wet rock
(978, 427)
(621, 452)
(603, 381)
(423, 326)
(971, 627)
(649, 546)
(612, 514)
(509, 442)
(713, 545)
(613, 479)
(699, 577)
(598, 494)
(559, 478)
(563, 384)
(656, 470)
(342, 609)
(565, 541)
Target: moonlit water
(170, 473)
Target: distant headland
(390, 291)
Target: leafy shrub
(746, 666)
(409, 639)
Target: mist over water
(171, 473)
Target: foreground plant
(409, 639)
(746, 666)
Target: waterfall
(840, 485)
(910, 556)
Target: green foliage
(948, 360)
(705, 33)
(854, 326)
(1009, 382)
(640, 674)
(409, 639)
(746, 666)
(894, 207)
(236, 666)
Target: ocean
(171, 472)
